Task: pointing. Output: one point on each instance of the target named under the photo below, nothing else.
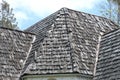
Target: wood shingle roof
(14, 48)
(108, 66)
(66, 42)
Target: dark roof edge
(17, 30)
(75, 73)
(110, 32)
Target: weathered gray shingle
(108, 67)
(14, 48)
(66, 43)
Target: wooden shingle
(66, 42)
(108, 66)
(14, 47)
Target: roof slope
(14, 48)
(108, 67)
(66, 42)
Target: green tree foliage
(110, 10)
(6, 16)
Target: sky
(28, 12)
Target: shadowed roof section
(66, 42)
(14, 48)
(108, 66)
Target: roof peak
(64, 8)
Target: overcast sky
(28, 12)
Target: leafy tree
(117, 3)
(110, 10)
(6, 16)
